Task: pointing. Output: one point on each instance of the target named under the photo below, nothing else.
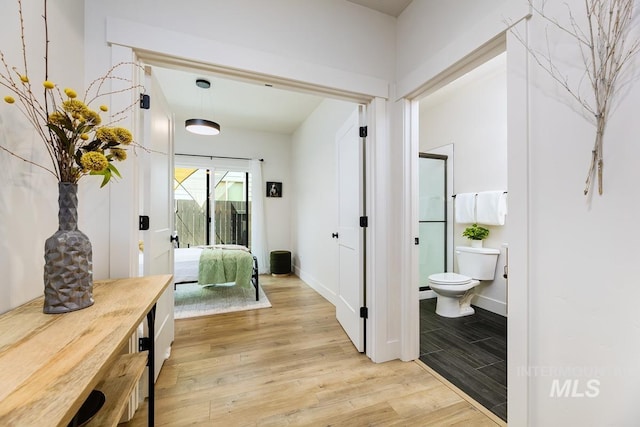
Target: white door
(157, 202)
(350, 296)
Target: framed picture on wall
(274, 189)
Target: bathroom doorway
(464, 122)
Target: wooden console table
(49, 363)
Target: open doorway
(463, 128)
(296, 141)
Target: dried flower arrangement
(76, 140)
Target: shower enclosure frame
(444, 221)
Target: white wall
(581, 297)
(28, 200)
(316, 35)
(434, 35)
(335, 33)
(471, 114)
(314, 186)
(274, 148)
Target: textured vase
(68, 274)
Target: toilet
(455, 290)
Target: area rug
(193, 300)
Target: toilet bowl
(454, 293)
(455, 290)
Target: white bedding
(186, 260)
(185, 267)
(185, 264)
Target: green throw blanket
(224, 266)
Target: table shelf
(117, 386)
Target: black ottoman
(280, 263)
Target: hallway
(292, 364)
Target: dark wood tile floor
(469, 351)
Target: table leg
(151, 321)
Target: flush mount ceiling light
(202, 126)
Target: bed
(187, 264)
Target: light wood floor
(293, 365)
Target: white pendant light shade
(202, 127)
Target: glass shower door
(432, 216)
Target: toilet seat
(449, 279)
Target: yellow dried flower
(57, 118)
(70, 93)
(106, 135)
(92, 117)
(48, 85)
(119, 154)
(24, 79)
(74, 106)
(84, 136)
(104, 108)
(123, 136)
(94, 161)
(9, 99)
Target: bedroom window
(211, 206)
(190, 194)
(231, 202)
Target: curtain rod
(216, 157)
(454, 196)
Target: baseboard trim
(490, 304)
(316, 285)
(427, 294)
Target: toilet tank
(477, 263)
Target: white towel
(491, 207)
(465, 208)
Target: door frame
(518, 183)
(381, 343)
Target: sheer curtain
(258, 228)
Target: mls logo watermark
(575, 388)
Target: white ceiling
(232, 103)
(238, 104)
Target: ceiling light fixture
(202, 126)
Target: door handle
(334, 235)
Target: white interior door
(157, 196)
(350, 260)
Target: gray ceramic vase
(68, 274)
